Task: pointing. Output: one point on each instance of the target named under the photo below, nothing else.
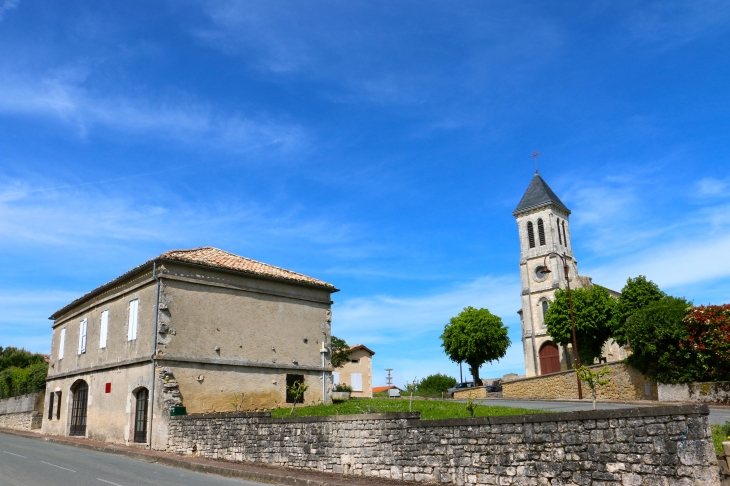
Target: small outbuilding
(357, 372)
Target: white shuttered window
(335, 378)
(132, 329)
(82, 336)
(356, 381)
(104, 329)
(62, 343)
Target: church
(543, 222)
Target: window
(82, 336)
(62, 343)
(541, 231)
(132, 329)
(544, 310)
(335, 377)
(560, 238)
(50, 406)
(354, 361)
(104, 329)
(58, 406)
(356, 381)
(565, 236)
(140, 416)
(290, 380)
(530, 234)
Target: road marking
(18, 455)
(59, 467)
(108, 482)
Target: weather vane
(535, 155)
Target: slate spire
(538, 194)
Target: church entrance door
(549, 358)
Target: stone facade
(715, 392)
(626, 384)
(658, 445)
(474, 392)
(23, 412)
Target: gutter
(154, 349)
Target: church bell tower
(543, 224)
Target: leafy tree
(593, 309)
(636, 294)
(436, 383)
(340, 352)
(20, 358)
(16, 381)
(475, 336)
(708, 339)
(593, 379)
(655, 333)
(296, 390)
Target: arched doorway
(140, 415)
(549, 358)
(80, 392)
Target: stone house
(544, 228)
(357, 372)
(200, 328)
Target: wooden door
(140, 416)
(549, 359)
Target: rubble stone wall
(657, 445)
(714, 392)
(23, 412)
(626, 384)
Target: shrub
(436, 383)
(16, 381)
(343, 388)
(708, 341)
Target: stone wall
(23, 412)
(714, 392)
(626, 384)
(474, 392)
(648, 445)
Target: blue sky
(380, 146)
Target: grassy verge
(430, 410)
(720, 433)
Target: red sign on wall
(108, 388)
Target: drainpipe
(154, 348)
(324, 375)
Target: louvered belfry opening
(530, 234)
(541, 231)
(560, 238)
(78, 410)
(140, 416)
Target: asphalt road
(31, 462)
(718, 415)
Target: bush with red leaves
(708, 340)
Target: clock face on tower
(540, 274)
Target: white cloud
(709, 187)
(7, 5)
(61, 95)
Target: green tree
(19, 358)
(708, 339)
(593, 309)
(655, 333)
(436, 383)
(593, 379)
(475, 337)
(296, 390)
(636, 294)
(340, 352)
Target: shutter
(335, 377)
(82, 336)
(132, 333)
(62, 343)
(104, 328)
(356, 381)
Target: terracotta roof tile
(213, 257)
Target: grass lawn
(720, 433)
(430, 409)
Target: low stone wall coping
(692, 409)
(266, 417)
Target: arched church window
(560, 238)
(565, 236)
(530, 234)
(541, 231)
(544, 310)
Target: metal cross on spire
(535, 155)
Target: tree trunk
(475, 373)
(594, 398)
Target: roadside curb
(232, 470)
